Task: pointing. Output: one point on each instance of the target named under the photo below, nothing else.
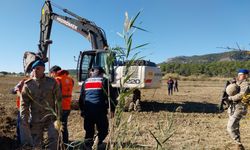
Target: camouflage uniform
(237, 110)
(38, 96)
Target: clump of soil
(8, 128)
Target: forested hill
(221, 64)
(216, 57)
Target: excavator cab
(90, 58)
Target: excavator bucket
(28, 59)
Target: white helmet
(232, 89)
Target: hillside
(216, 57)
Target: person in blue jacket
(94, 104)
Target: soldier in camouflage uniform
(237, 109)
(40, 95)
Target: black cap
(55, 68)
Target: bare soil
(193, 110)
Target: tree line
(218, 69)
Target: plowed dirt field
(193, 111)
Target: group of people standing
(172, 85)
(44, 104)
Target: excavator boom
(94, 34)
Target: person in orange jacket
(66, 84)
(17, 90)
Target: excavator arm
(94, 34)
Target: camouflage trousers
(236, 111)
(32, 135)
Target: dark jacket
(94, 95)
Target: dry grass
(193, 77)
(198, 126)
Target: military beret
(37, 63)
(243, 71)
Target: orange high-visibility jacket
(18, 99)
(66, 84)
(18, 88)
